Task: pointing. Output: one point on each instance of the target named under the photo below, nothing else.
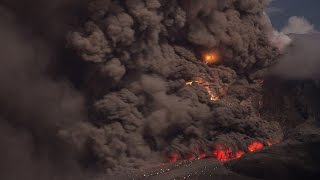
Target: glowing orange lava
(221, 152)
(255, 146)
(239, 154)
(204, 84)
(211, 57)
(225, 153)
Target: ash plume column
(140, 55)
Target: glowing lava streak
(225, 153)
(204, 84)
(221, 152)
(255, 146)
(211, 57)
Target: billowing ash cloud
(295, 25)
(141, 53)
(302, 58)
(35, 109)
(298, 25)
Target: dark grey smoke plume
(134, 60)
(139, 56)
(36, 111)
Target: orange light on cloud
(211, 57)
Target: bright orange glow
(239, 154)
(211, 57)
(221, 152)
(255, 146)
(204, 84)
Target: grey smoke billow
(298, 25)
(302, 58)
(35, 109)
(136, 57)
(140, 54)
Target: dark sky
(281, 10)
